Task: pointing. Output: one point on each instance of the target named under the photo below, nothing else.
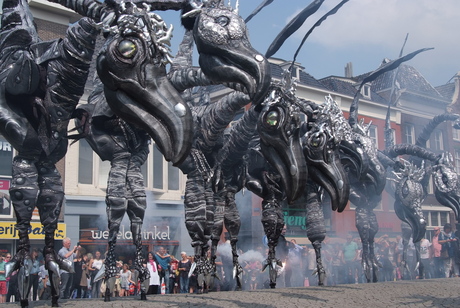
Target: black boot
(143, 296)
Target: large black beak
(281, 146)
(447, 185)
(408, 207)
(353, 158)
(325, 168)
(226, 55)
(450, 200)
(414, 217)
(376, 174)
(139, 92)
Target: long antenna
(292, 27)
(325, 16)
(257, 10)
(389, 140)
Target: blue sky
(363, 32)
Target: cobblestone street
(416, 293)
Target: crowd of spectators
(439, 257)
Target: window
(437, 218)
(158, 174)
(157, 168)
(409, 134)
(438, 144)
(6, 156)
(374, 135)
(366, 91)
(430, 186)
(456, 134)
(85, 163)
(457, 161)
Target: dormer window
(366, 91)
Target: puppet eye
(127, 48)
(405, 190)
(222, 21)
(272, 118)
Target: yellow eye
(127, 48)
(272, 118)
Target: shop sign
(4, 184)
(36, 232)
(295, 221)
(161, 234)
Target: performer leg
(316, 230)
(24, 193)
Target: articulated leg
(406, 234)
(24, 193)
(419, 266)
(217, 227)
(363, 226)
(374, 228)
(196, 220)
(232, 223)
(116, 209)
(49, 205)
(316, 230)
(137, 204)
(273, 222)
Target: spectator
(337, 265)
(310, 267)
(174, 276)
(409, 269)
(153, 268)
(34, 273)
(94, 266)
(438, 263)
(425, 258)
(45, 285)
(67, 278)
(125, 280)
(3, 287)
(163, 259)
(294, 262)
(13, 287)
(135, 278)
(83, 283)
(184, 269)
(193, 281)
(449, 244)
(350, 255)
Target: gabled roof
(447, 90)
(305, 78)
(348, 87)
(408, 78)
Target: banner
(8, 231)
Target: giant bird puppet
(42, 83)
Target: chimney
(349, 70)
